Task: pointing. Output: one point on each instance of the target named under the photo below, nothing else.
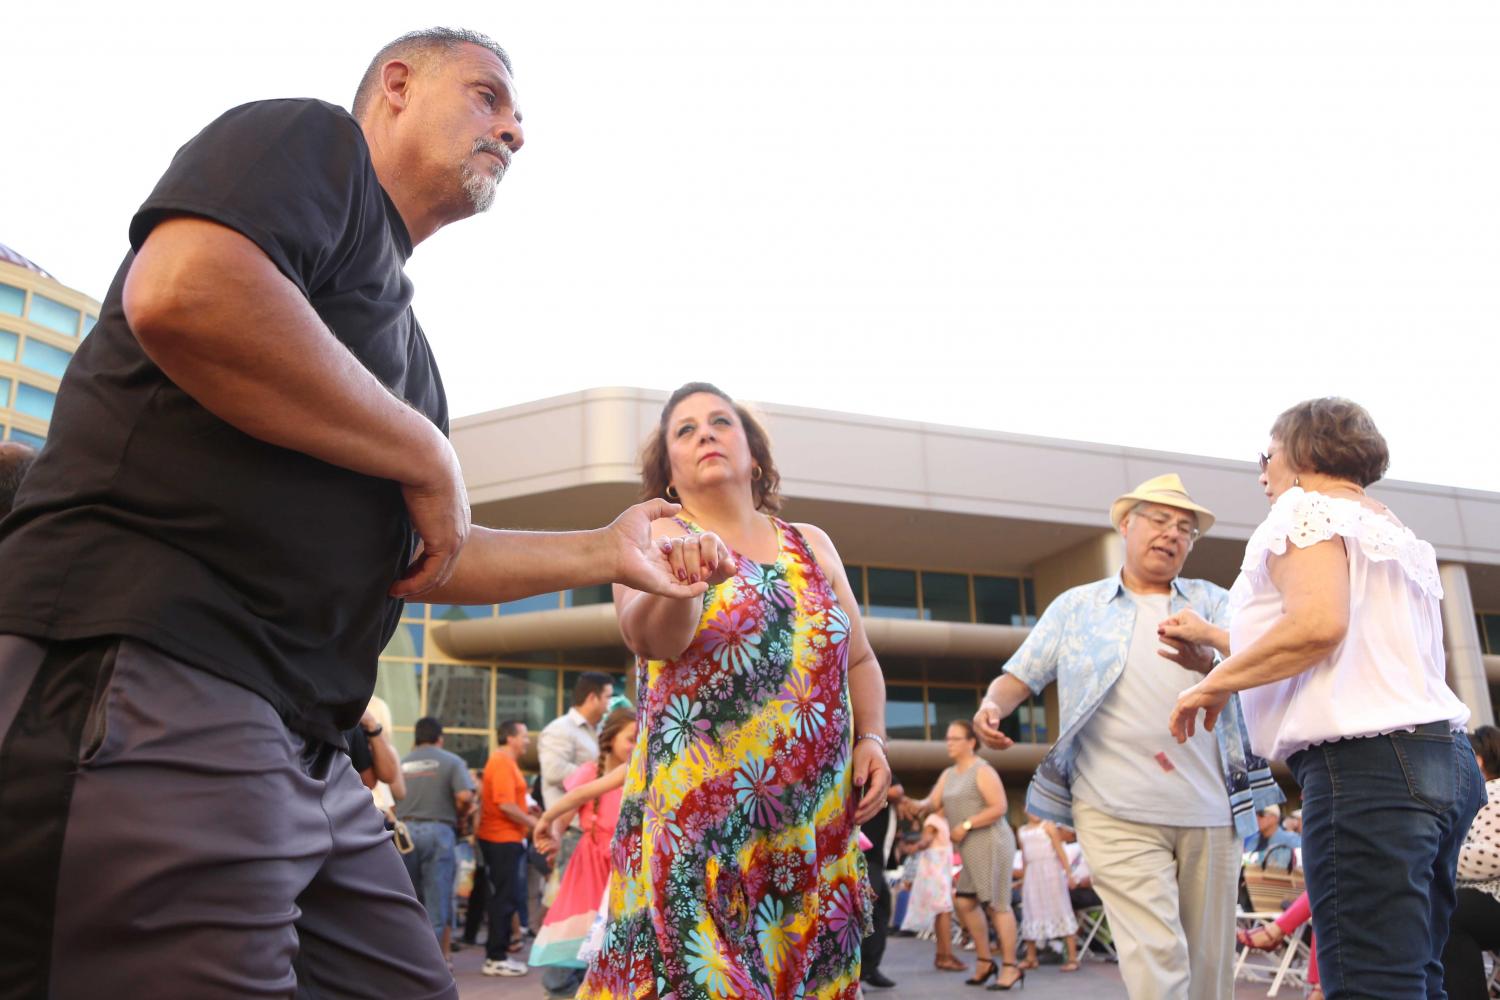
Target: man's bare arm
(499, 566)
(215, 314)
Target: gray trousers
(168, 836)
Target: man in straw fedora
(1160, 823)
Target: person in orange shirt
(504, 825)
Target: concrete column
(1461, 644)
(1090, 560)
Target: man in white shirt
(572, 739)
(1159, 822)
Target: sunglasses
(1265, 460)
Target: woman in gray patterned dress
(972, 799)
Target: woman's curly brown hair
(656, 468)
(1335, 437)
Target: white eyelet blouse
(1388, 673)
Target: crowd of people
(191, 751)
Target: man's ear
(395, 83)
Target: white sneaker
(503, 967)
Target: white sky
(1146, 223)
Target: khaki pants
(1169, 894)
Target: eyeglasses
(1265, 459)
(1165, 522)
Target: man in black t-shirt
(247, 470)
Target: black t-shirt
(145, 515)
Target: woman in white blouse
(1336, 647)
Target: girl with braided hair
(597, 804)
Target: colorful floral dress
(737, 872)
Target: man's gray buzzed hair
(419, 42)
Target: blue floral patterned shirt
(1082, 641)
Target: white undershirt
(1118, 770)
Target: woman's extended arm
(570, 803)
(659, 627)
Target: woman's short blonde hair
(656, 467)
(1335, 437)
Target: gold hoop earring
(756, 473)
(672, 492)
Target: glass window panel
(88, 323)
(1032, 719)
(417, 611)
(951, 705)
(1011, 725)
(474, 748)
(45, 358)
(53, 315)
(459, 696)
(893, 593)
(598, 594)
(1031, 609)
(16, 434)
(407, 641)
(34, 402)
(12, 300)
(1492, 633)
(997, 600)
(905, 712)
(945, 597)
(8, 342)
(400, 685)
(461, 612)
(540, 602)
(4, 392)
(570, 677)
(857, 583)
(525, 694)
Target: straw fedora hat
(1166, 490)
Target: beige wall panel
(493, 459)
(863, 460)
(996, 469)
(1481, 523)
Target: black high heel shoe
(1018, 981)
(979, 979)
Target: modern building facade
(955, 539)
(42, 322)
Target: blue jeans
(432, 866)
(1382, 821)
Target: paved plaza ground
(908, 962)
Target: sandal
(1253, 938)
(978, 979)
(1068, 967)
(1020, 979)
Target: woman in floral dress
(762, 740)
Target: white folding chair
(1093, 925)
(1284, 965)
